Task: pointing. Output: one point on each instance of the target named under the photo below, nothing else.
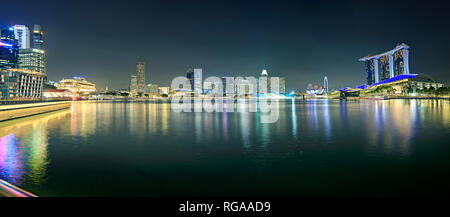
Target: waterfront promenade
(9, 112)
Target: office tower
(38, 38)
(282, 85)
(133, 84)
(325, 84)
(31, 59)
(198, 80)
(34, 58)
(22, 34)
(190, 78)
(228, 86)
(194, 77)
(268, 80)
(8, 48)
(140, 76)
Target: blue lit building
(8, 48)
(401, 84)
(383, 66)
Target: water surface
(316, 148)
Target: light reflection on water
(23, 148)
(141, 137)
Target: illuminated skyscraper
(32, 59)
(38, 38)
(22, 34)
(8, 48)
(281, 83)
(140, 76)
(387, 65)
(325, 84)
(194, 77)
(133, 84)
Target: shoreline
(10, 112)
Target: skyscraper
(31, 59)
(38, 38)
(8, 48)
(268, 80)
(282, 85)
(194, 77)
(190, 78)
(34, 58)
(325, 84)
(140, 76)
(22, 34)
(133, 84)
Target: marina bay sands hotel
(387, 65)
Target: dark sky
(300, 40)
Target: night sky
(300, 40)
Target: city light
(226, 105)
(5, 44)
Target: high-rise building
(325, 84)
(282, 85)
(38, 38)
(194, 77)
(133, 84)
(265, 77)
(228, 86)
(140, 76)
(32, 59)
(387, 65)
(22, 34)
(190, 78)
(198, 80)
(8, 48)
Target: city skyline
(292, 45)
(225, 107)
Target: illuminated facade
(22, 34)
(19, 83)
(325, 84)
(153, 89)
(133, 84)
(194, 77)
(77, 85)
(8, 48)
(387, 65)
(58, 93)
(38, 38)
(164, 90)
(281, 82)
(413, 81)
(140, 76)
(32, 59)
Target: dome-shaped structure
(264, 73)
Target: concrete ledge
(8, 112)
